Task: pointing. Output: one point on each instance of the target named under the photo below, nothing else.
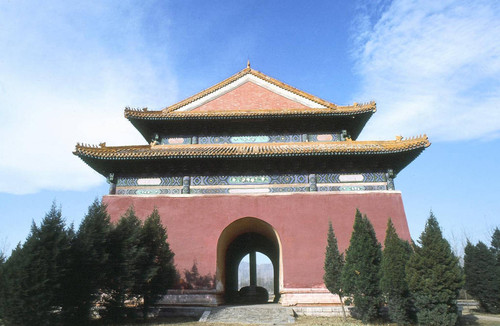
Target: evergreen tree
(157, 272)
(495, 249)
(495, 243)
(360, 275)
(434, 277)
(480, 277)
(14, 298)
(2, 284)
(90, 251)
(123, 271)
(393, 276)
(37, 273)
(334, 262)
(193, 279)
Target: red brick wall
(249, 96)
(194, 224)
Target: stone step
(263, 314)
(321, 311)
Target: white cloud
(432, 67)
(66, 74)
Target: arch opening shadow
(242, 237)
(264, 273)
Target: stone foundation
(207, 298)
(308, 297)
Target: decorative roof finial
(248, 64)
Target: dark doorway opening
(249, 244)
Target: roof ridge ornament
(248, 64)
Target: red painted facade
(195, 223)
(250, 96)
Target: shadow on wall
(192, 280)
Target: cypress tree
(2, 284)
(393, 276)
(157, 272)
(495, 243)
(434, 277)
(37, 273)
(361, 272)
(480, 276)
(90, 250)
(123, 270)
(334, 263)
(15, 275)
(495, 249)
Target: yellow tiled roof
(252, 150)
(338, 110)
(172, 111)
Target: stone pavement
(263, 314)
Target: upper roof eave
(144, 114)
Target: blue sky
(69, 68)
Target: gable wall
(250, 96)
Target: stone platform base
(206, 298)
(308, 297)
(261, 314)
(321, 311)
(300, 297)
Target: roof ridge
(240, 74)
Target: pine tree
(14, 298)
(157, 272)
(123, 270)
(495, 249)
(480, 276)
(2, 284)
(360, 275)
(495, 243)
(37, 273)
(334, 263)
(393, 276)
(434, 277)
(90, 251)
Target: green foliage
(482, 272)
(56, 277)
(13, 298)
(157, 272)
(90, 258)
(334, 263)
(480, 275)
(495, 242)
(123, 272)
(360, 275)
(193, 279)
(434, 277)
(393, 276)
(37, 273)
(2, 284)
(495, 248)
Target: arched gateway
(254, 165)
(243, 237)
